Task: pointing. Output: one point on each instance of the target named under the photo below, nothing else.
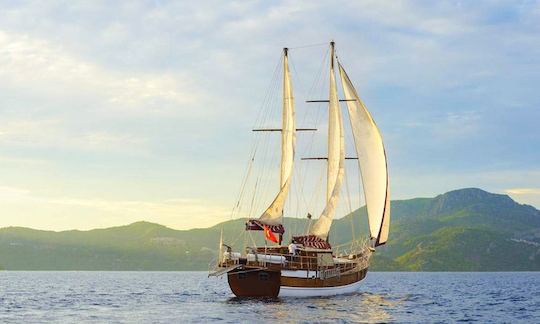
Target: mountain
(461, 230)
(465, 230)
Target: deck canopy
(257, 225)
(312, 241)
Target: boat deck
(320, 262)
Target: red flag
(269, 235)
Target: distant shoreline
(462, 230)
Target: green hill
(462, 230)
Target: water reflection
(358, 307)
(247, 300)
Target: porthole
(264, 276)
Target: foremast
(274, 213)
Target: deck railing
(357, 259)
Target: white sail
(272, 215)
(372, 161)
(336, 158)
(334, 135)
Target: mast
(336, 157)
(334, 119)
(272, 215)
(288, 130)
(372, 162)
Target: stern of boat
(254, 282)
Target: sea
(183, 297)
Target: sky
(115, 112)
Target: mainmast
(336, 157)
(334, 131)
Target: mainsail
(272, 215)
(336, 158)
(372, 162)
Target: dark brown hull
(253, 282)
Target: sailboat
(309, 265)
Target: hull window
(264, 276)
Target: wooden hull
(303, 287)
(254, 282)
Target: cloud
(529, 196)
(128, 100)
(523, 191)
(458, 125)
(436, 19)
(12, 193)
(54, 133)
(39, 66)
(180, 213)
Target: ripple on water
(191, 297)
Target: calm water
(190, 296)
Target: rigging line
(324, 85)
(350, 208)
(307, 45)
(297, 82)
(256, 140)
(308, 152)
(254, 191)
(266, 163)
(237, 237)
(244, 182)
(267, 178)
(319, 115)
(299, 169)
(298, 203)
(248, 173)
(303, 170)
(319, 73)
(258, 179)
(311, 138)
(264, 138)
(252, 240)
(246, 233)
(271, 96)
(264, 111)
(318, 187)
(297, 211)
(264, 182)
(268, 91)
(245, 178)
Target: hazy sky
(112, 113)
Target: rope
(311, 140)
(308, 45)
(350, 208)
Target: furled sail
(372, 161)
(272, 215)
(336, 158)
